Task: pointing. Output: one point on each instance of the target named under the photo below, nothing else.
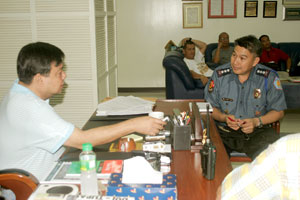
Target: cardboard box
(167, 190)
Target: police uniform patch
(263, 72)
(257, 93)
(223, 72)
(277, 83)
(211, 86)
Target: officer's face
(189, 51)
(242, 61)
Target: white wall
(145, 26)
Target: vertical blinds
(79, 28)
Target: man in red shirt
(271, 56)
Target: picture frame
(222, 8)
(192, 15)
(291, 2)
(291, 13)
(270, 9)
(250, 8)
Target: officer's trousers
(251, 144)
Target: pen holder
(181, 136)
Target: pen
(234, 120)
(231, 119)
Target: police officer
(247, 97)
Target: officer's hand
(232, 122)
(247, 125)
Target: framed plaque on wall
(192, 15)
(250, 9)
(222, 9)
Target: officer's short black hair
(36, 58)
(251, 43)
(189, 41)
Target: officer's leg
(260, 141)
(232, 140)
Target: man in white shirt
(32, 134)
(193, 51)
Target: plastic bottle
(88, 177)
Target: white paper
(121, 105)
(137, 170)
(202, 106)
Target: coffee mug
(156, 114)
(126, 144)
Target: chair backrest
(293, 50)
(20, 182)
(179, 81)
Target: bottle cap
(87, 147)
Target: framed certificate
(222, 9)
(270, 9)
(192, 15)
(250, 9)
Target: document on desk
(122, 105)
(202, 106)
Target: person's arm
(216, 58)
(182, 42)
(101, 135)
(248, 125)
(288, 64)
(203, 78)
(201, 45)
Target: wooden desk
(187, 166)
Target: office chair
(243, 157)
(179, 81)
(20, 182)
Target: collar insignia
(263, 72)
(223, 72)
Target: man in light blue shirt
(32, 135)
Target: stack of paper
(202, 106)
(121, 105)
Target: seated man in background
(274, 174)
(271, 56)
(193, 51)
(32, 134)
(246, 98)
(222, 53)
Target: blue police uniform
(258, 95)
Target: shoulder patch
(263, 72)
(223, 72)
(277, 83)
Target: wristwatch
(260, 125)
